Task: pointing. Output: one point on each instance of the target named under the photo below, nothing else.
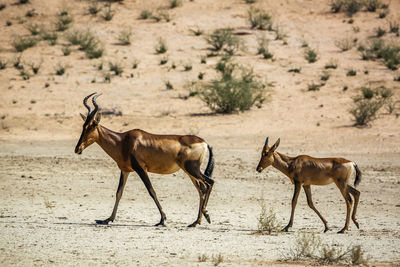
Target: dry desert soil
(50, 197)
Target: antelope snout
(78, 150)
(259, 169)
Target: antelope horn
(96, 107)
(266, 141)
(85, 103)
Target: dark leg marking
(145, 178)
(121, 185)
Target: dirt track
(50, 199)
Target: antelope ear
(97, 118)
(83, 117)
(275, 146)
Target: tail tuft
(358, 174)
(210, 164)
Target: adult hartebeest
(305, 171)
(142, 152)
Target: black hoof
(286, 229)
(162, 223)
(193, 224)
(341, 231)
(326, 230)
(103, 222)
(207, 217)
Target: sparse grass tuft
(135, 63)
(313, 87)
(168, 85)
(332, 64)
(310, 55)
(394, 26)
(87, 42)
(116, 68)
(197, 31)
(164, 60)
(372, 5)
(34, 28)
(336, 5)
(175, 3)
(325, 75)
(188, 67)
(224, 39)
(217, 259)
(60, 69)
(21, 43)
(380, 32)
(145, 14)
(344, 44)
(66, 50)
(161, 46)
(108, 13)
(63, 21)
(124, 37)
(267, 221)
(259, 19)
(24, 74)
(51, 37)
(295, 70)
(280, 34)
(93, 7)
(3, 64)
(352, 6)
(35, 67)
(202, 258)
(351, 72)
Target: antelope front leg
(120, 190)
(297, 188)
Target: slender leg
(192, 168)
(120, 190)
(297, 188)
(307, 190)
(198, 186)
(145, 178)
(356, 195)
(210, 183)
(341, 183)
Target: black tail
(210, 164)
(358, 175)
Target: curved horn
(85, 102)
(266, 141)
(96, 107)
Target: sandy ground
(50, 196)
(50, 199)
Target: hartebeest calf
(142, 152)
(305, 171)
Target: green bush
(235, 90)
(224, 39)
(63, 21)
(124, 37)
(161, 46)
(372, 5)
(267, 221)
(336, 5)
(145, 14)
(21, 43)
(311, 55)
(87, 42)
(368, 104)
(259, 19)
(352, 6)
